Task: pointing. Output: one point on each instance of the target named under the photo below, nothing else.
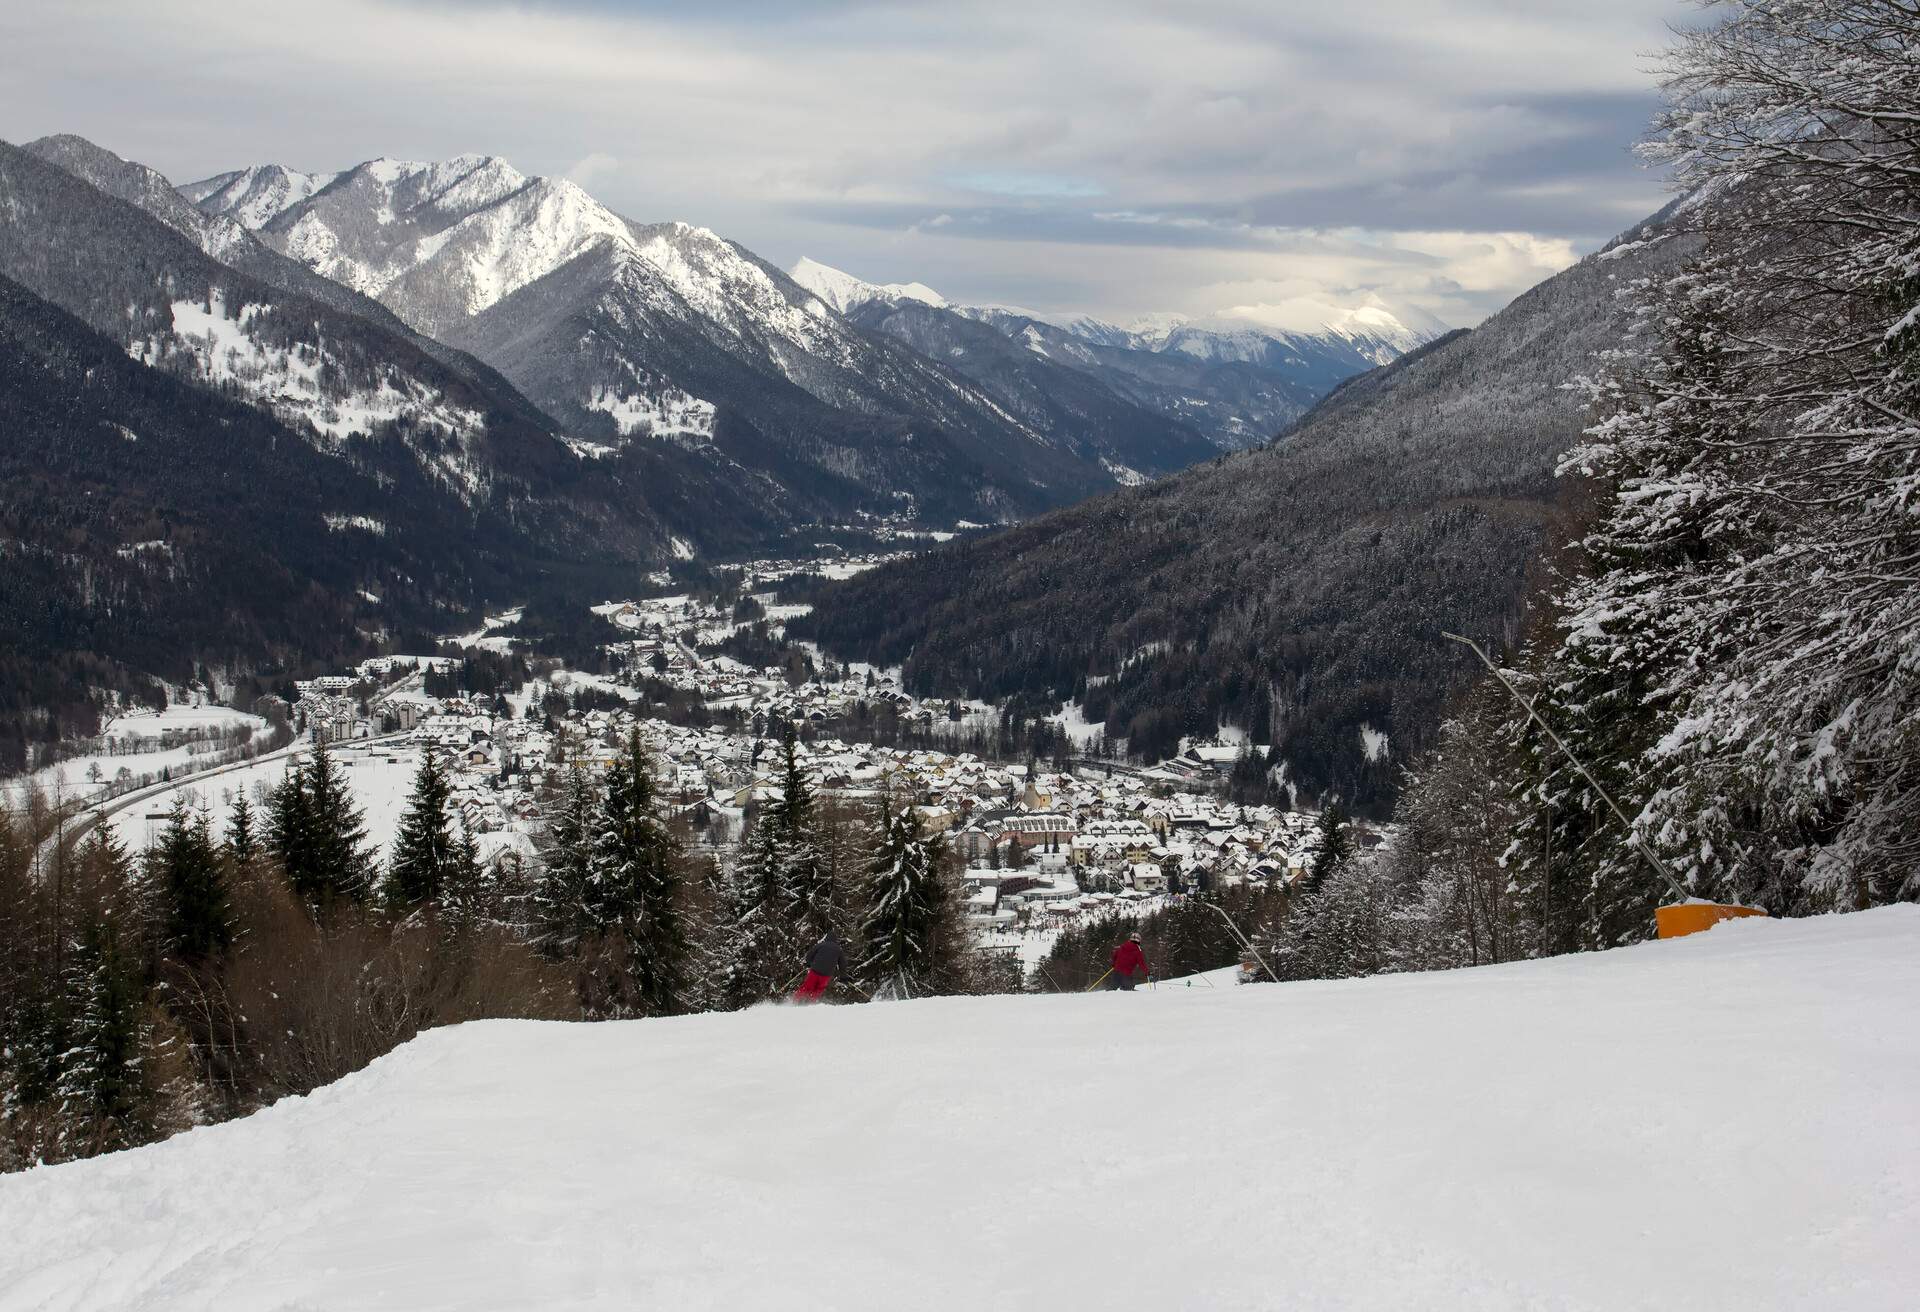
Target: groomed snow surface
(1724, 1121)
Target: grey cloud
(969, 145)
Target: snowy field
(379, 774)
(1722, 1122)
(139, 735)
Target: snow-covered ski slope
(1726, 1121)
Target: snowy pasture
(380, 776)
(139, 748)
(1723, 1122)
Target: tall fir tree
(339, 864)
(467, 891)
(103, 1091)
(187, 876)
(911, 935)
(424, 851)
(806, 876)
(1335, 846)
(289, 830)
(242, 844)
(634, 889)
(763, 949)
(560, 899)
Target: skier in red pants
(823, 963)
(1129, 964)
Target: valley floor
(1721, 1122)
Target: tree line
(210, 976)
(1728, 646)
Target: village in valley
(1043, 842)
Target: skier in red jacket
(1129, 964)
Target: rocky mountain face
(1234, 382)
(152, 527)
(663, 333)
(1072, 407)
(344, 380)
(1296, 592)
(232, 243)
(206, 467)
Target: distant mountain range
(626, 332)
(1296, 593)
(474, 385)
(1236, 381)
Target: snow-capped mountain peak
(846, 293)
(1371, 330)
(1382, 332)
(254, 197)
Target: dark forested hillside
(151, 528)
(1077, 409)
(1296, 591)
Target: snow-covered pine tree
(186, 875)
(1333, 846)
(634, 890)
(763, 949)
(242, 844)
(1639, 628)
(424, 850)
(806, 877)
(1787, 769)
(903, 911)
(709, 928)
(468, 896)
(289, 830)
(1308, 944)
(339, 864)
(560, 912)
(103, 1094)
(1452, 901)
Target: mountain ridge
(1234, 381)
(1295, 593)
(680, 322)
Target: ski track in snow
(1720, 1122)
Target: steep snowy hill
(1724, 1122)
(1066, 402)
(252, 197)
(1072, 407)
(1237, 378)
(234, 244)
(342, 369)
(328, 373)
(846, 293)
(154, 528)
(626, 331)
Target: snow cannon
(1688, 915)
(1695, 914)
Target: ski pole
(1097, 983)
(1633, 835)
(1244, 940)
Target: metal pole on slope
(1245, 942)
(1633, 835)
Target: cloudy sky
(1106, 156)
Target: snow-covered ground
(380, 776)
(138, 737)
(484, 636)
(1721, 1122)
